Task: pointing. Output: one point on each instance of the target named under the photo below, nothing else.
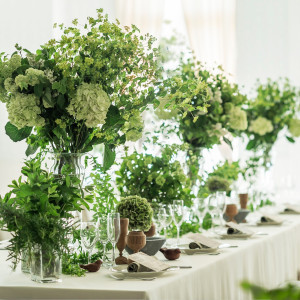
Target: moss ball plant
(216, 183)
(137, 210)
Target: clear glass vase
(45, 266)
(25, 262)
(70, 163)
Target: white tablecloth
(268, 260)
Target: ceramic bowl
(153, 244)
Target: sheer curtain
(145, 14)
(211, 27)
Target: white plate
(122, 272)
(268, 223)
(198, 251)
(289, 213)
(236, 236)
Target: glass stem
(113, 253)
(178, 231)
(104, 252)
(89, 256)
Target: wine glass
(199, 209)
(221, 199)
(177, 214)
(214, 210)
(103, 237)
(113, 231)
(89, 236)
(160, 219)
(168, 218)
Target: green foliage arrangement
(71, 262)
(273, 110)
(157, 178)
(220, 179)
(137, 210)
(37, 211)
(105, 200)
(217, 183)
(224, 112)
(289, 292)
(88, 87)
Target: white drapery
(146, 15)
(211, 27)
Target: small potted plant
(139, 213)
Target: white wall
(268, 45)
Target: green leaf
(290, 139)
(109, 157)
(16, 134)
(251, 145)
(31, 149)
(228, 142)
(113, 116)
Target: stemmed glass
(168, 218)
(213, 210)
(89, 236)
(160, 219)
(221, 199)
(103, 237)
(113, 231)
(199, 209)
(177, 214)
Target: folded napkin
(264, 219)
(292, 208)
(234, 228)
(197, 245)
(270, 219)
(231, 230)
(136, 267)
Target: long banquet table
(268, 260)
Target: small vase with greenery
(38, 213)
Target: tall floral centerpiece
(86, 88)
(273, 110)
(223, 112)
(89, 87)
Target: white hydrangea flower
(23, 110)
(237, 118)
(294, 127)
(261, 126)
(90, 104)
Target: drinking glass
(160, 219)
(89, 236)
(221, 199)
(113, 231)
(199, 209)
(214, 210)
(103, 237)
(168, 218)
(177, 214)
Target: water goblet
(89, 236)
(103, 237)
(113, 231)
(178, 214)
